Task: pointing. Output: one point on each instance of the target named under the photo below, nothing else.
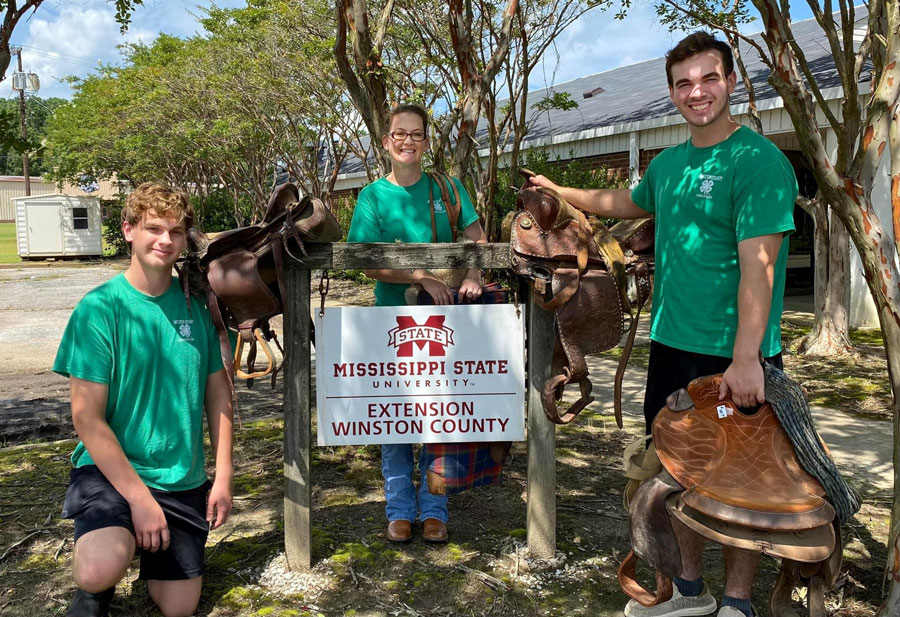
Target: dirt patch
(855, 382)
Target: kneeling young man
(142, 366)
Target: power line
(54, 56)
(57, 53)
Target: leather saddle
(579, 270)
(240, 272)
(733, 478)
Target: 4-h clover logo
(707, 186)
(184, 330)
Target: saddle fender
(652, 540)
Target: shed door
(44, 228)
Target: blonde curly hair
(160, 200)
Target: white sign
(420, 374)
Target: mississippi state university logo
(433, 334)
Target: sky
(70, 37)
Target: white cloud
(72, 37)
(598, 42)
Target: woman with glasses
(397, 208)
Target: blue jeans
(399, 490)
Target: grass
(9, 252)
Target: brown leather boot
(399, 531)
(435, 530)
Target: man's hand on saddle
(544, 181)
(219, 504)
(435, 287)
(744, 382)
(151, 532)
(471, 287)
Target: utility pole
(25, 172)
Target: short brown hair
(160, 199)
(409, 108)
(696, 43)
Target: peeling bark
(474, 83)
(849, 192)
(830, 333)
(365, 79)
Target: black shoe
(86, 604)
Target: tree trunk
(891, 331)
(830, 333)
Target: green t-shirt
(155, 358)
(706, 201)
(386, 212)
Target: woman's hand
(435, 287)
(471, 287)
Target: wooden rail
(299, 398)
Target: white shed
(58, 226)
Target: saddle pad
(735, 466)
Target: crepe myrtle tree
(362, 54)
(866, 53)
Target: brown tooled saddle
(240, 273)
(733, 478)
(579, 270)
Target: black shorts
(671, 369)
(95, 504)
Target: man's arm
(614, 203)
(220, 419)
(89, 417)
(744, 378)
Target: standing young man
(723, 202)
(142, 366)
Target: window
(80, 218)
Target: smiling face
(700, 89)
(156, 242)
(406, 153)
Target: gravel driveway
(35, 304)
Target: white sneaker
(679, 606)
(730, 611)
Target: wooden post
(541, 518)
(297, 426)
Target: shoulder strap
(452, 204)
(431, 202)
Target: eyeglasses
(402, 135)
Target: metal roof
(639, 92)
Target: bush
(112, 226)
(572, 172)
(216, 212)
